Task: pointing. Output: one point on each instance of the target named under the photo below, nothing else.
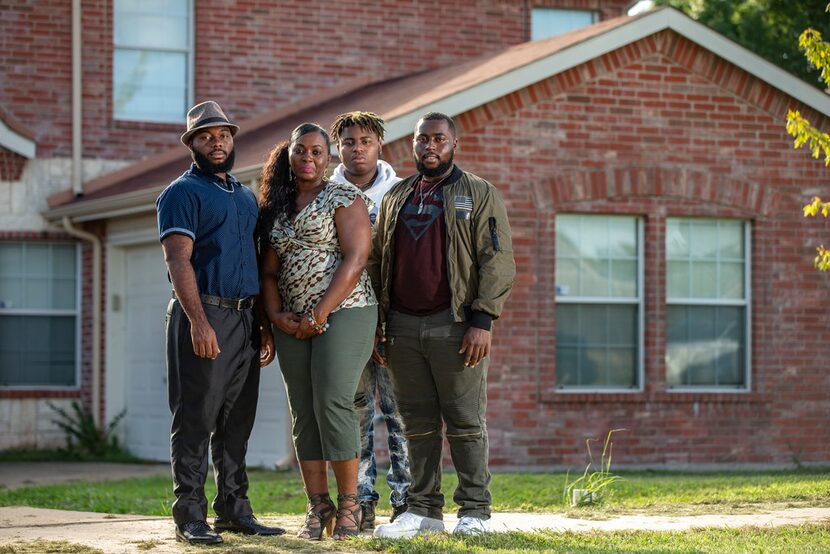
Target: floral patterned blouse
(309, 252)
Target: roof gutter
(77, 143)
(96, 314)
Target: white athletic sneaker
(469, 525)
(407, 525)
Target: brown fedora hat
(206, 114)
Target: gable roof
(454, 90)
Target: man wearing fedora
(215, 343)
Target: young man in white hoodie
(359, 137)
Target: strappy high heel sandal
(353, 513)
(320, 516)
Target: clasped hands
(300, 325)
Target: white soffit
(14, 141)
(618, 37)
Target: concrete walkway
(134, 534)
(125, 533)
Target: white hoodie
(383, 182)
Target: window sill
(143, 125)
(658, 397)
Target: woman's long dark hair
(277, 189)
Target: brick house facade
(652, 119)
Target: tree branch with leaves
(817, 52)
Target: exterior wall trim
(12, 140)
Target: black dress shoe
(247, 525)
(197, 532)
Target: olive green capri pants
(321, 375)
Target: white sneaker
(469, 525)
(407, 525)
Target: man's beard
(203, 163)
(442, 168)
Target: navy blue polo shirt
(220, 217)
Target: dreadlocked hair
(366, 120)
(277, 190)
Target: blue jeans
(375, 380)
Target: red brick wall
(252, 56)
(11, 165)
(660, 128)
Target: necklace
(428, 194)
(368, 184)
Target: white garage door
(147, 423)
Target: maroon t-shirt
(420, 284)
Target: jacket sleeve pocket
(494, 234)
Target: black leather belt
(233, 303)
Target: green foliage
(818, 53)
(805, 133)
(770, 28)
(83, 437)
(594, 485)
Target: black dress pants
(213, 403)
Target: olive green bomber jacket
(479, 247)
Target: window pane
(149, 85)
(37, 260)
(547, 22)
(37, 350)
(596, 256)
(623, 278)
(677, 279)
(731, 280)
(567, 236)
(38, 276)
(705, 259)
(705, 346)
(11, 292)
(594, 277)
(596, 345)
(64, 260)
(622, 237)
(704, 239)
(677, 238)
(64, 294)
(567, 277)
(38, 294)
(158, 24)
(11, 258)
(704, 280)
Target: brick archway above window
(684, 184)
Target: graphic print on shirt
(418, 217)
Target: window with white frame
(38, 314)
(707, 303)
(152, 66)
(549, 22)
(599, 302)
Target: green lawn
(661, 493)
(805, 539)
(640, 492)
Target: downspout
(96, 314)
(77, 145)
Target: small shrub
(83, 437)
(596, 484)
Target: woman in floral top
(315, 240)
